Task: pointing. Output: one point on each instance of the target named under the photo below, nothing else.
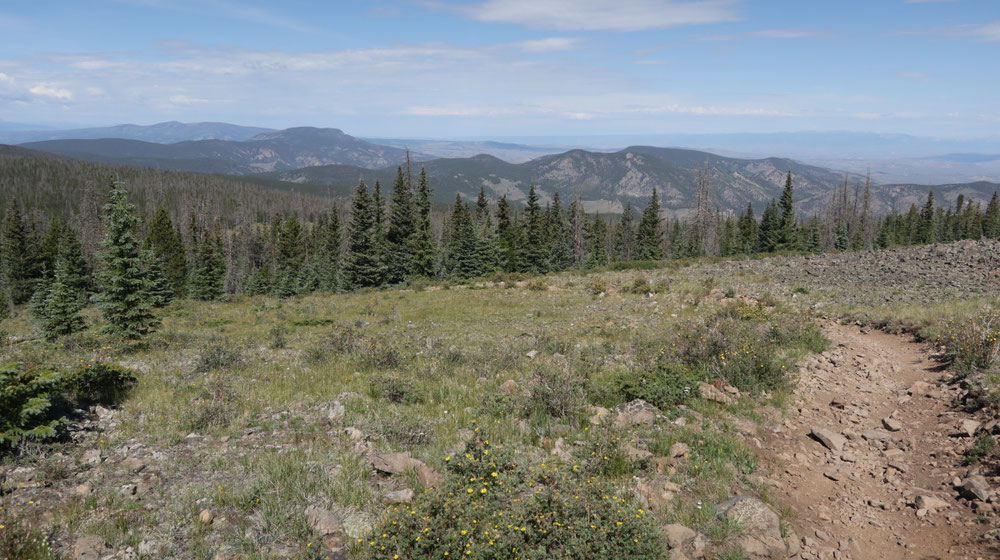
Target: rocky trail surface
(869, 457)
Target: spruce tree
(461, 258)
(927, 229)
(559, 237)
(79, 276)
(747, 226)
(62, 305)
(22, 265)
(625, 235)
(51, 243)
(158, 287)
(770, 226)
(208, 269)
(535, 250)
(786, 236)
(424, 248)
(510, 238)
(166, 242)
(649, 240)
(124, 298)
(328, 253)
(991, 219)
(289, 256)
(363, 267)
(487, 246)
(401, 233)
(596, 236)
(678, 249)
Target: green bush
(972, 343)
(666, 386)
(27, 396)
(399, 391)
(19, 541)
(99, 383)
(490, 508)
(984, 447)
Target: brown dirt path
(860, 502)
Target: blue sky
(442, 68)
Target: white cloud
(600, 15)
(767, 34)
(988, 32)
(551, 44)
(51, 91)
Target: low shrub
(537, 285)
(100, 383)
(555, 393)
(19, 541)
(218, 355)
(491, 508)
(597, 287)
(665, 386)
(972, 343)
(27, 396)
(985, 446)
(396, 390)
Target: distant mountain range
(292, 148)
(163, 133)
(316, 158)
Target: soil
(860, 502)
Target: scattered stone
(135, 465)
(336, 413)
(83, 489)
(357, 525)
(969, 428)
(429, 477)
(509, 387)
(930, 503)
(875, 435)
(838, 402)
(892, 424)
(830, 439)
(91, 457)
(598, 414)
(678, 449)
(655, 493)
(635, 413)
(684, 542)
(322, 521)
(206, 516)
(709, 392)
(394, 463)
(532, 354)
(403, 496)
(919, 388)
(763, 539)
(90, 547)
(975, 488)
(634, 453)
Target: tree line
(392, 240)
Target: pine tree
(813, 241)
(363, 267)
(991, 219)
(770, 225)
(729, 240)
(424, 248)
(624, 249)
(158, 288)
(461, 258)
(511, 238)
(328, 253)
(649, 240)
(289, 257)
(535, 250)
(748, 231)
(79, 276)
(208, 269)
(596, 237)
(577, 231)
(559, 237)
(166, 242)
(400, 236)
(487, 245)
(786, 237)
(51, 243)
(124, 298)
(61, 308)
(678, 248)
(22, 267)
(926, 231)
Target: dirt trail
(861, 501)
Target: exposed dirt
(861, 501)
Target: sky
(487, 68)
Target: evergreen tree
(535, 250)
(813, 241)
(577, 232)
(747, 226)
(624, 249)
(328, 253)
(60, 314)
(786, 236)
(400, 236)
(424, 248)
(649, 241)
(729, 240)
(842, 242)
(208, 271)
(770, 224)
(363, 267)
(289, 257)
(124, 297)
(51, 243)
(559, 237)
(678, 247)
(596, 240)
(22, 267)
(884, 238)
(460, 254)
(511, 238)
(487, 245)
(79, 276)
(158, 289)
(927, 228)
(991, 219)
(166, 242)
